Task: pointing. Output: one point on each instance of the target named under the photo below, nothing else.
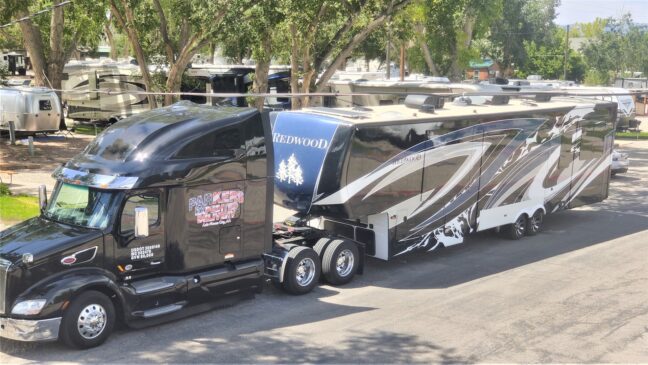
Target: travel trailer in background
(169, 212)
(33, 110)
(82, 102)
(14, 62)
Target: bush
(4, 189)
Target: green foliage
(621, 49)
(4, 189)
(631, 135)
(522, 22)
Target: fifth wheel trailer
(171, 211)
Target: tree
(51, 38)
(178, 29)
(522, 22)
(323, 35)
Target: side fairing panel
(301, 142)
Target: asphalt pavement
(574, 293)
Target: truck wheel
(534, 223)
(302, 270)
(340, 262)
(88, 321)
(516, 230)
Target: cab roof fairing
(137, 151)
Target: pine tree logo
(290, 172)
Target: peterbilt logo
(80, 257)
(319, 143)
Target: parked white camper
(33, 110)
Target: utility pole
(566, 54)
(402, 63)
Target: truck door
(136, 257)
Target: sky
(585, 11)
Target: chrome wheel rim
(536, 220)
(92, 321)
(519, 226)
(344, 262)
(305, 271)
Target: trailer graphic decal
(502, 169)
(290, 171)
(219, 207)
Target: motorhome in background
(33, 110)
(82, 79)
(209, 78)
(635, 84)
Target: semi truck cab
(165, 214)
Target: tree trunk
(294, 68)
(174, 77)
(111, 41)
(34, 45)
(468, 26)
(261, 71)
(434, 70)
(127, 21)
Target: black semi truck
(169, 212)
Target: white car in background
(620, 162)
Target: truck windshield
(81, 206)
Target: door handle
(153, 263)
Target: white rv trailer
(82, 79)
(33, 110)
(626, 109)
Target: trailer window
(148, 200)
(221, 143)
(45, 105)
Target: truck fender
(61, 288)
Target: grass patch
(631, 135)
(88, 129)
(15, 208)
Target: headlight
(29, 307)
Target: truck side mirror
(42, 197)
(141, 222)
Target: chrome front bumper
(30, 330)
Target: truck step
(154, 312)
(156, 285)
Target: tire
(303, 270)
(534, 223)
(340, 262)
(83, 331)
(517, 229)
(321, 245)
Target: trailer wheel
(534, 223)
(340, 262)
(516, 230)
(302, 270)
(88, 321)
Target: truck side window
(150, 201)
(221, 143)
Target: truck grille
(4, 268)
